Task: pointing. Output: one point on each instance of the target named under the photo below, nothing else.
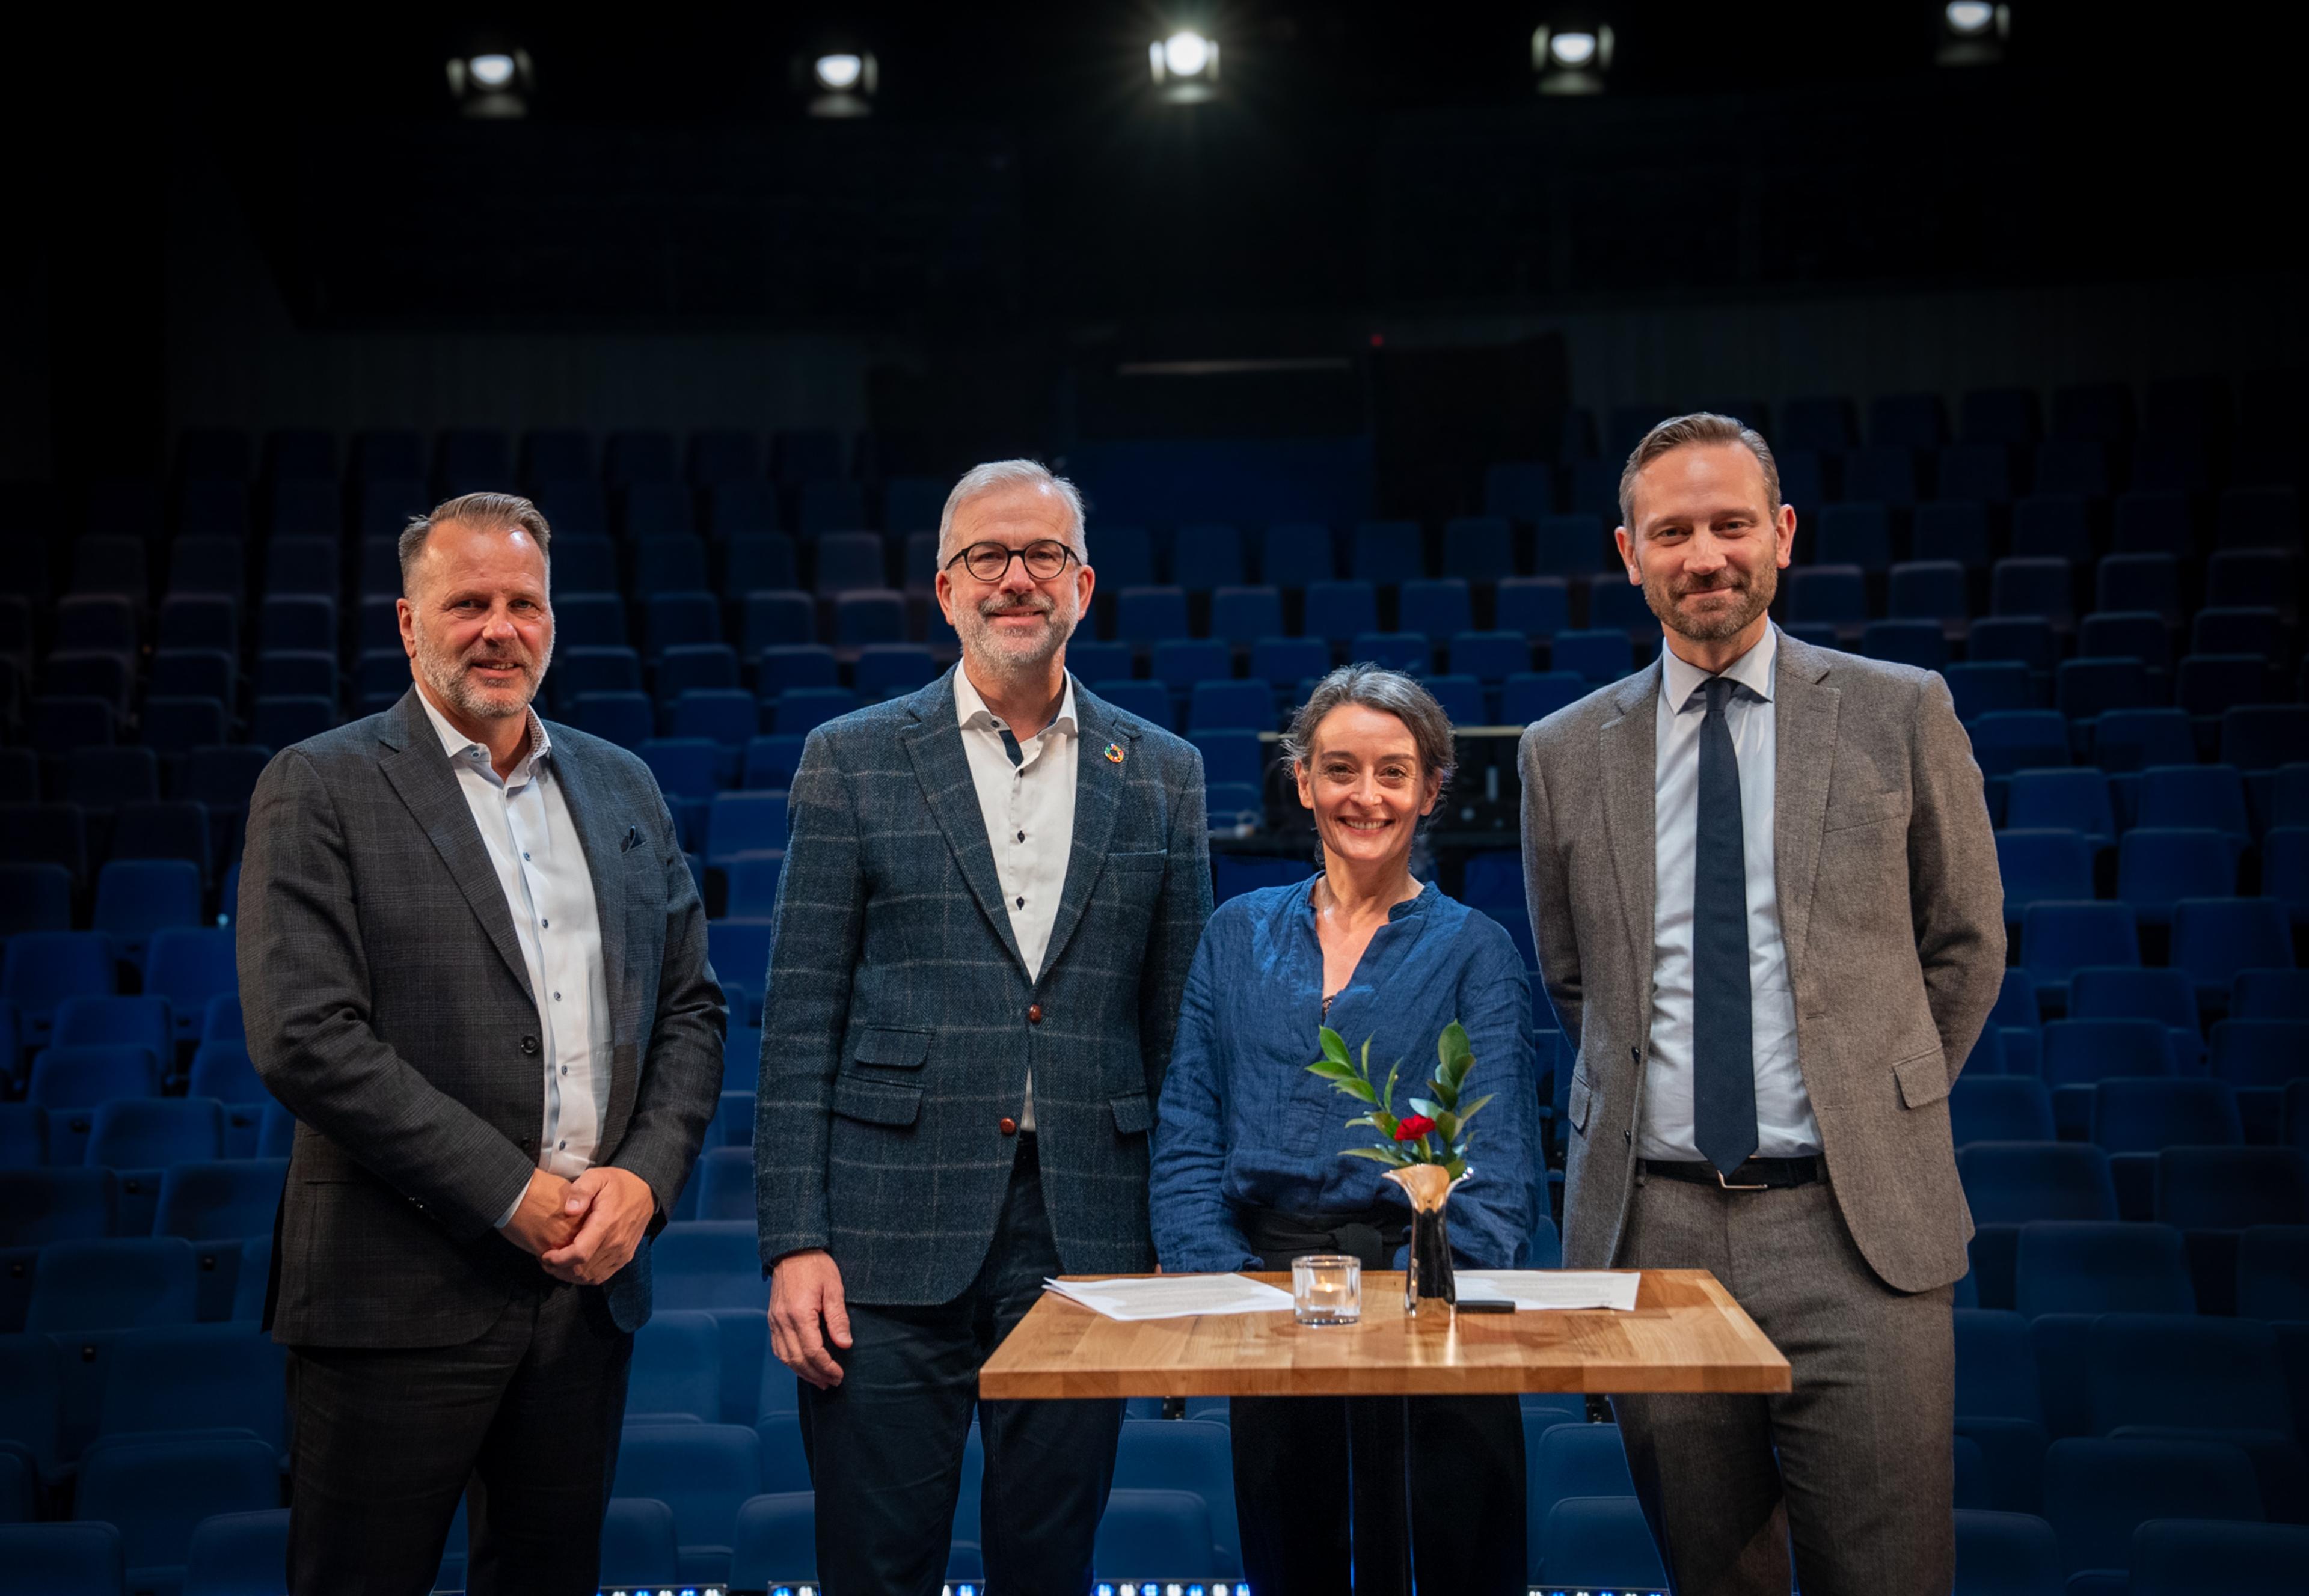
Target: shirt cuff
(512, 1208)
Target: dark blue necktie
(1723, 1040)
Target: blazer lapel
(934, 743)
(1631, 760)
(419, 771)
(1098, 795)
(1803, 738)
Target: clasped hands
(582, 1231)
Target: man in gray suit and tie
(993, 891)
(1764, 890)
(474, 966)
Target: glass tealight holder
(1327, 1289)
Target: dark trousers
(1373, 1494)
(386, 1441)
(885, 1446)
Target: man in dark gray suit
(991, 893)
(474, 966)
(1764, 894)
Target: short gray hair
(1012, 473)
(1389, 692)
(1701, 427)
(506, 510)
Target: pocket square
(633, 840)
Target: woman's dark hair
(1390, 692)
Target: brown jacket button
(1009, 1126)
(1033, 1014)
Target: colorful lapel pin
(1114, 754)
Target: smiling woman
(1247, 1172)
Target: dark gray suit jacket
(389, 1009)
(900, 1021)
(1890, 906)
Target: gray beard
(1714, 629)
(447, 676)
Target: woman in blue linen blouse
(1248, 1166)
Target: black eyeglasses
(1044, 559)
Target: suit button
(1009, 1126)
(1033, 1014)
(528, 1044)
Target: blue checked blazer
(896, 1034)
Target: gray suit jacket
(389, 1009)
(900, 1022)
(1890, 905)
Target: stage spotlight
(1571, 59)
(1972, 32)
(843, 83)
(492, 84)
(1186, 66)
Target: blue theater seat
(800, 710)
(1189, 1455)
(2134, 741)
(2041, 865)
(2099, 1491)
(1296, 555)
(1436, 608)
(2178, 1557)
(1148, 1531)
(676, 1368)
(2159, 866)
(2072, 800)
(2214, 939)
(704, 1472)
(239, 1554)
(1386, 553)
(1999, 1109)
(1479, 549)
(1855, 534)
(2056, 938)
(696, 1264)
(2007, 1554)
(219, 1380)
(157, 1493)
(2067, 1266)
(776, 1542)
(1149, 701)
(1534, 605)
(1520, 490)
(85, 1559)
(1922, 643)
(2004, 741)
(114, 1284)
(2011, 1183)
(1598, 1541)
(1407, 652)
(1222, 705)
(1146, 615)
(1242, 616)
(1337, 611)
(1207, 555)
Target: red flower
(1412, 1126)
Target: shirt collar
(970, 708)
(456, 745)
(1752, 670)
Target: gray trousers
(1864, 1483)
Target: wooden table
(1686, 1333)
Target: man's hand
(539, 1224)
(608, 1210)
(803, 1287)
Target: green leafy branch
(1435, 1130)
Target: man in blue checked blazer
(992, 890)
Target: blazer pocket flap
(1582, 1102)
(1866, 811)
(877, 1102)
(1923, 1079)
(1132, 1114)
(893, 1048)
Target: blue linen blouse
(1244, 1124)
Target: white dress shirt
(548, 889)
(1029, 809)
(1784, 1126)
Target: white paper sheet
(1542, 1289)
(1174, 1296)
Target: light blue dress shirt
(1784, 1125)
